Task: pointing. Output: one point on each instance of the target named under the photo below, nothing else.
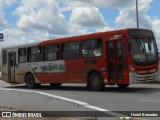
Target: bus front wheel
(122, 86)
(95, 82)
(30, 81)
(55, 85)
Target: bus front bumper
(135, 78)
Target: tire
(55, 85)
(122, 86)
(88, 86)
(95, 82)
(30, 81)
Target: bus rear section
(8, 66)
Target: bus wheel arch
(30, 80)
(95, 81)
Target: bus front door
(115, 61)
(11, 66)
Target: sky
(26, 21)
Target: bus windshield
(143, 51)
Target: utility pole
(137, 14)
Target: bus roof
(72, 38)
(22, 45)
(87, 36)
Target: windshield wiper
(141, 46)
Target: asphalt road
(138, 97)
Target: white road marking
(84, 104)
(96, 108)
(149, 100)
(61, 98)
(67, 95)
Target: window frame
(71, 50)
(92, 48)
(22, 55)
(56, 51)
(29, 53)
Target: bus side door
(11, 66)
(115, 61)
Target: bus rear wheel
(122, 86)
(30, 81)
(95, 82)
(55, 85)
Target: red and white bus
(119, 57)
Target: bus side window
(92, 48)
(28, 54)
(22, 55)
(51, 52)
(4, 57)
(71, 50)
(35, 54)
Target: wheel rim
(30, 81)
(95, 82)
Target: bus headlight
(132, 69)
